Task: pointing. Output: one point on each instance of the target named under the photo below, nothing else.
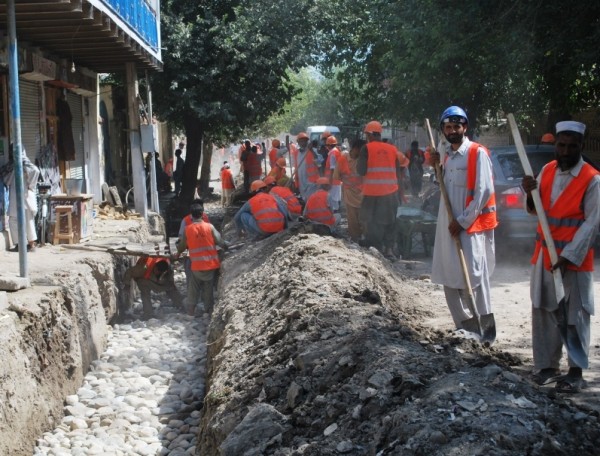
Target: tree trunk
(203, 187)
(194, 135)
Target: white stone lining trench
(143, 396)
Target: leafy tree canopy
(412, 58)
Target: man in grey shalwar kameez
(478, 246)
(570, 192)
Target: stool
(69, 235)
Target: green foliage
(226, 66)
(412, 58)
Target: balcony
(101, 35)
(138, 15)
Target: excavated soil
(319, 347)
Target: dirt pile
(317, 347)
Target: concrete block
(13, 283)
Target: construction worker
(252, 169)
(323, 150)
(306, 167)
(333, 158)
(351, 187)
(273, 153)
(547, 138)
(227, 185)
(153, 274)
(416, 159)
(278, 172)
(285, 193)
(318, 207)
(185, 222)
(378, 163)
(263, 214)
(570, 193)
(468, 179)
(200, 239)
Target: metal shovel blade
(472, 325)
(488, 328)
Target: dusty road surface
(512, 311)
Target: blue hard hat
(454, 114)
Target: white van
(315, 132)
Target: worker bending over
(153, 274)
(263, 214)
(318, 207)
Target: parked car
(515, 224)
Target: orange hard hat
(257, 185)
(280, 162)
(331, 141)
(373, 127)
(323, 181)
(269, 180)
(276, 143)
(301, 135)
(325, 134)
(548, 138)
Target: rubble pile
(317, 347)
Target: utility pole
(153, 189)
(15, 108)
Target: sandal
(545, 376)
(569, 385)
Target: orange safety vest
(486, 220)
(202, 247)
(312, 171)
(317, 209)
(252, 165)
(226, 180)
(380, 179)
(266, 213)
(292, 202)
(188, 219)
(349, 178)
(277, 173)
(565, 216)
(273, 157)
(150, 263)
(336, 153)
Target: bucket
(73, 186)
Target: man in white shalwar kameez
(478, 246)
(573, 216)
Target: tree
(225, 68)
(411, 59)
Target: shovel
(569, 335)
(483, 325)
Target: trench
(143, 394)
(83, 375)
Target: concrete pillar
(137, 161)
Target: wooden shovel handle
(539, 208)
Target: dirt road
(512, 310)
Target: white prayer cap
(570, 125)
